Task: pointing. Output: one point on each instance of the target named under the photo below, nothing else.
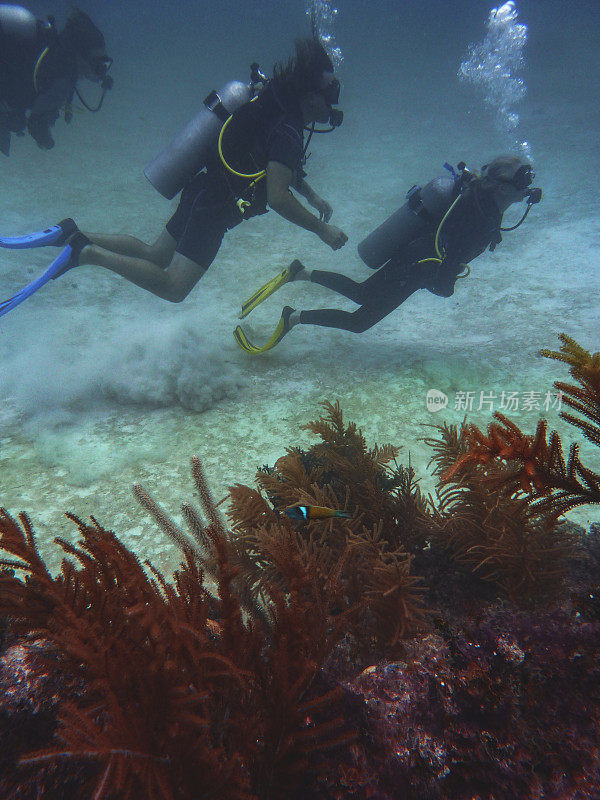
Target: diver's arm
(45, 110)
(39, 126)
(312, 198)
(282, 201)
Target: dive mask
(522, 180)
(329, 89)
(523, 177)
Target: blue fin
(59, 263)
(52, 235)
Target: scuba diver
(244, 150)
(39, 70)
(426, 244)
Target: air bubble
(493, 66)
(322, 16)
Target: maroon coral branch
(52, 755)
(207, 500)
(19, 541)
(505, 441)
(163, 520)
(552, 485)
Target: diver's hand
(332, 236)
(322, 206)
(40, 131)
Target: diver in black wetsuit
(39, 69)
(426, 244)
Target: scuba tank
(187, 153)
(18, 22)
(22, 27)
(423, 209)
(22, 37)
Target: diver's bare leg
(159, 253)
(172, 283)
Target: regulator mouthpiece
(257, 76)
(534, 195)
(101, 67)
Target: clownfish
(307, 513)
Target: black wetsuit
(471, 228)
(260, 132)
(57, 75)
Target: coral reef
(504, 493)
(372, 549)
(486, 525)
(182, 696)
(427, 648)
(503, 707)
(535, 466)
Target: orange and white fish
(307, 513)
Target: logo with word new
(436, 400)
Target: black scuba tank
(18, 23)
(419, 216)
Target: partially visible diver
(426, 244)
(39, 70)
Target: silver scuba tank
(186, 154)
(411, 221)
(18, 22)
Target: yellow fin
(269, 288)
(247, 345)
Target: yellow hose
(439, 257)
(256, 176)
(440, 226)
(38, 64)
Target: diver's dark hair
(500, 170)
(302, 73)
(80, 35)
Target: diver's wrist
(310, 195)
(319, 226)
